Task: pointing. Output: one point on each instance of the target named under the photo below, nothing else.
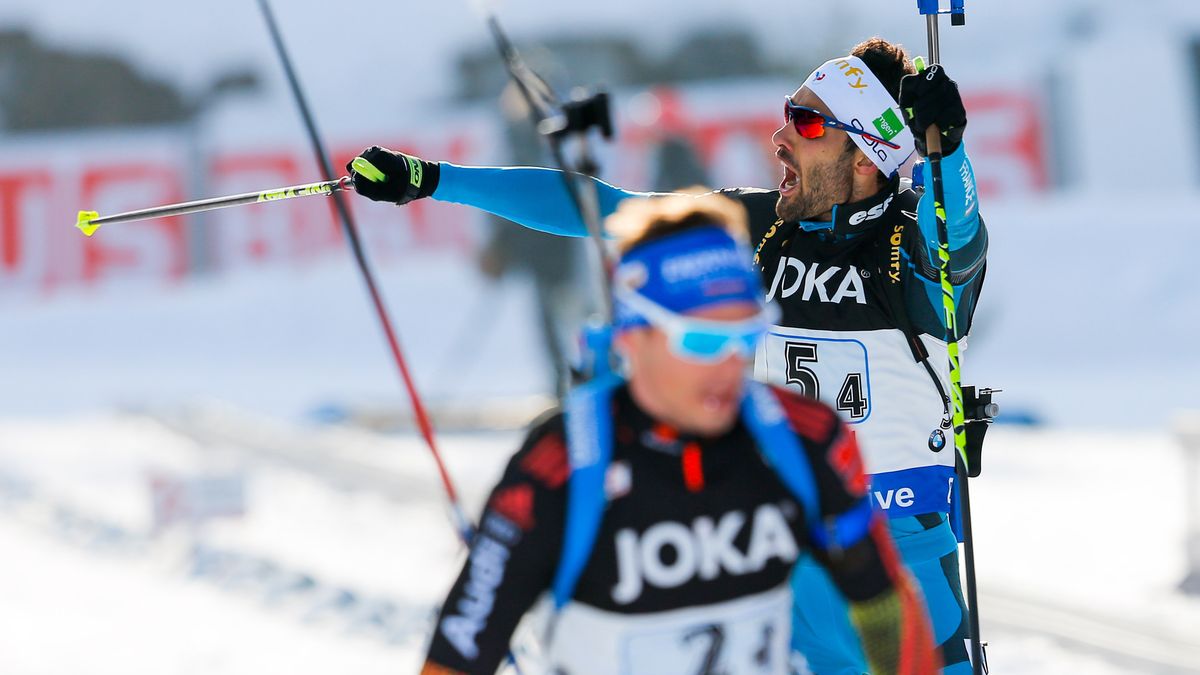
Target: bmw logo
(937, 440)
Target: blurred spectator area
(618, 61)
(43, 88)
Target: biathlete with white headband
(664, 510)
(848, 249)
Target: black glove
(408, 177)
(929, 97)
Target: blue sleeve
(962, 208)
(533, 197)
(968, 249)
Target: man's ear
(627, 342)
(862, 164)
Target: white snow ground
(85, 591)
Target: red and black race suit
(656, 476)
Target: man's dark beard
(820, 189)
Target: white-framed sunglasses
(701, 340)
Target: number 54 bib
(877, 387)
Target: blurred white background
(240, 344)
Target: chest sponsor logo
(816, 282)
(703, 551)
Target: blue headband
(684, 272)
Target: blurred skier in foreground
(692, 490)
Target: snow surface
(80, 598)
(87, 590)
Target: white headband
(855, 96)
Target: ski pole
(557, 120)
(933, 141)
(462, 523)
(90, 221)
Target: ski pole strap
(589, 425)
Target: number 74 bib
(749, 635)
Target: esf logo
(705, 550)
(794, 276)
(873, 212)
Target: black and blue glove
(404, 177)
(930, 97)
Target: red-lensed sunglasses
(811, 123)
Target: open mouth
(716, 402)
(790, 181)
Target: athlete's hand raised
(930, 97)
(400, 178)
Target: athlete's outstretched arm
(512, 559)
(533, 197)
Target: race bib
(834, 370)
(748, 635)
(750, 643)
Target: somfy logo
(704, 550)
(852, 72)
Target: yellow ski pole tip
(367, 170)
(84, 223)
